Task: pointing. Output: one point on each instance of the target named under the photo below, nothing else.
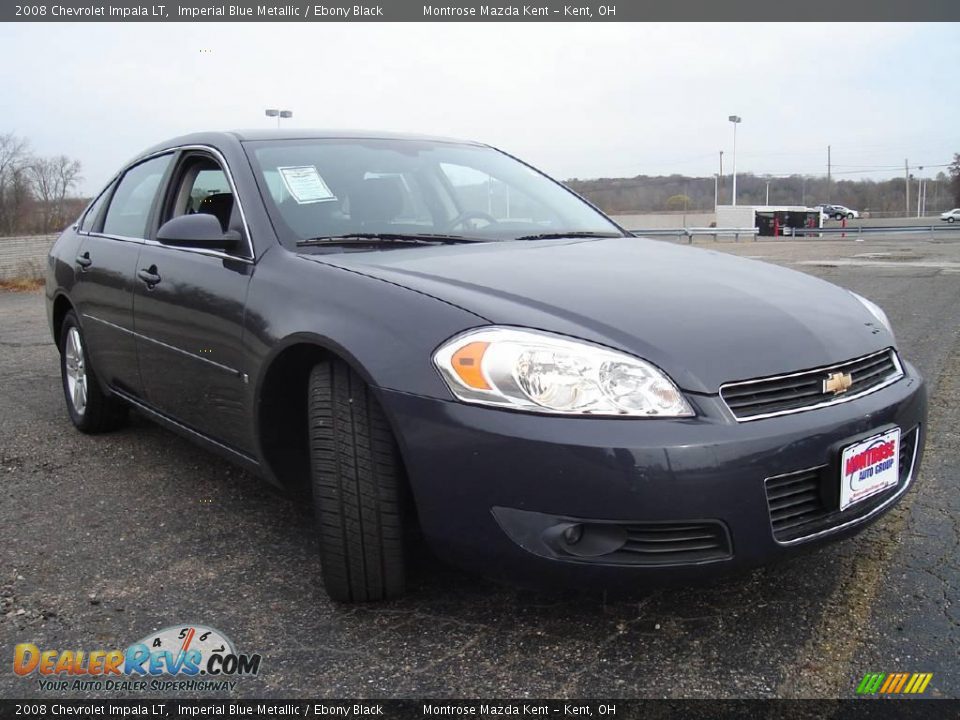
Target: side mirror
(200, 230)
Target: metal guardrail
(856, 230)
(871, 229)
(689, 233)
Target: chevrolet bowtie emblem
(837, 383)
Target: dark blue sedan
(437, 340)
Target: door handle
(84, 261)
(149, 275)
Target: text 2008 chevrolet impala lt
(434, 336)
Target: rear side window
(131, 204)
(93, 211)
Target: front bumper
(494, 488)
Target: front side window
(332, 187)
(130, 206)
(202, 187)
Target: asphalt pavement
(104, 539)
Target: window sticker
(305, 185)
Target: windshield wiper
(571, 234)
(366, 238)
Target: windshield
(342, 187)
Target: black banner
(619, 709)
(472, 11)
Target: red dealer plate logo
(869, 467)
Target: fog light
(572, 535)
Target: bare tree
(53, 178)
(14, 183)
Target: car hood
(704, 317)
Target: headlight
(541, 372)
(875, 310)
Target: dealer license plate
(869, 467)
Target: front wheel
(357, 481)
(91, 410)
(950, 219)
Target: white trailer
(772, 220)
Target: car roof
(223, 137)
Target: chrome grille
(766, 397)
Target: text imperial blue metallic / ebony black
(436, 338)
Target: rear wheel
(357, 480)
(90, 409)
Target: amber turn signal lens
(466, 364)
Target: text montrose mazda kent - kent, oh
(438, 339)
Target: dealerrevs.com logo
(177, 658)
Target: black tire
(358, 485)
(950, 219)
(849, 216)
(838, 216)
(98, 412)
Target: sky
(575, 100)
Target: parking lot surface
(104, 539)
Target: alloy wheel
(76, 371)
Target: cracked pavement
(106, 538)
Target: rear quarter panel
(61, 271)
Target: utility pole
(721, 169)
(919, 187)
(829, 171)
(906, 177)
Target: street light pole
(767, 201)
(716, 191)
(735, 119)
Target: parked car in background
(826, 211)
(438, 341)
(839, 212)
(951, 215)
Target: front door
(188, 313)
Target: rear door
(189, 309)
(113, 232)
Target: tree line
(37, 193)
(676, 193)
